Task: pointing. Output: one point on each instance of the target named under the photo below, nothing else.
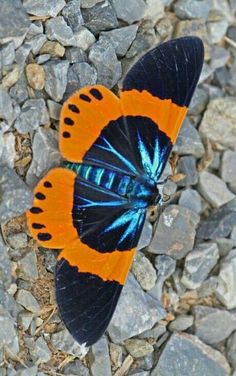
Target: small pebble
(35, 76)
(27, 300)
(138, 348)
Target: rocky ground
(177, 314)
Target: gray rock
(188, 141)
(208, 287)
(213, 325)
(8, 336)
(34, 113)
(138, 348)
(5, 267)
(36, 28)
(72, 14)
(192, 9)
(219, 57)
(121, 39)
(116, 355)
(56, 79)
(28, 267)
(136, 312)
(219, 122)
(89, 3)
(6, 108)
(168, 239)
(22, 54)
(140, 373)
(198, 264)
(30, 371)
(228, 166)
(155, 10)
(99, 358)
(54, 109)
(76, 368)
(206, 73)
(187, 166)
(145, 39)
(186, 355)
(8, 152)
(214, 190)
(217, 30)
(103, 56)
(41, 352)
(129, 11)
(84, 38)
(224, 245)
(43, 162)
(14, 22)
(156, 332)
(165, 266)
(146, 236)
(25, 319)
(231, 350)
(7, 54)
(143, 271)
(198, 102)
(27, 300)
(18, 240)
(19, 91)
(65, 342)
(100, 17)
(181, 323)
(233, 236)
(44, 7)
(15, 197)
(191, 199)
(37, 42)
(225, 291)
(76, 55)
(86, 74)
(57, 29)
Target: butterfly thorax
(141, 190)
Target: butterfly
(94, 206)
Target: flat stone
(224, 245)
(186, 355)
(198, 264)
(30, 371)
(72, 14)
(102, 55)
(165, 267)
(34, 113)
(181, 323)
(189, 141)
(191, 199)
(15, 196)
(213, 325)
(192, 9)
(155, 10)
(57, 29)
(6, 108)
(19, 91)
(89, 3)
(41, 352)
(64, 341)
(208, 287)
(76, 55)
(121, 38)
(8, 152)
(168, 239)
(44, 8)
(76, 368)
(5, 267)
(28, 267)
(187, 167)
(36, 76)
(146, 236)
(136, 312)
(206, 73)
(199, 102)
(116, 355)
(86, 74)
(225, 291)
(36, 28)
(56, 79)
(7, 54)
(54, 109)
(54, 49)
(84, 38)
(129, 11)
(219, 57)
(217, 30)
(156, 332)
(138, 348)
(99, 358)
(27, 300)
(43, 162)
(231, 350)
(37, 42)
(8, 336)
(219, 224)
(12, 77)
(228, 166)
(100, 17)
(14, 22)
(219, 122)
(143, 271)
(214, 190)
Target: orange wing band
(166, 114)
(83, 116)
(50, 218)
(112, 266)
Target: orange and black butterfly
(94, 207)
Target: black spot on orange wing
(69, 121)
(73, 108)
(66, 134)
(85, 97)
(86, 302)
(96, 94)
(38, 226)
(44, 236)
(47, 184)
(36, 210)
(40, 196)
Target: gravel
(176, 315)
